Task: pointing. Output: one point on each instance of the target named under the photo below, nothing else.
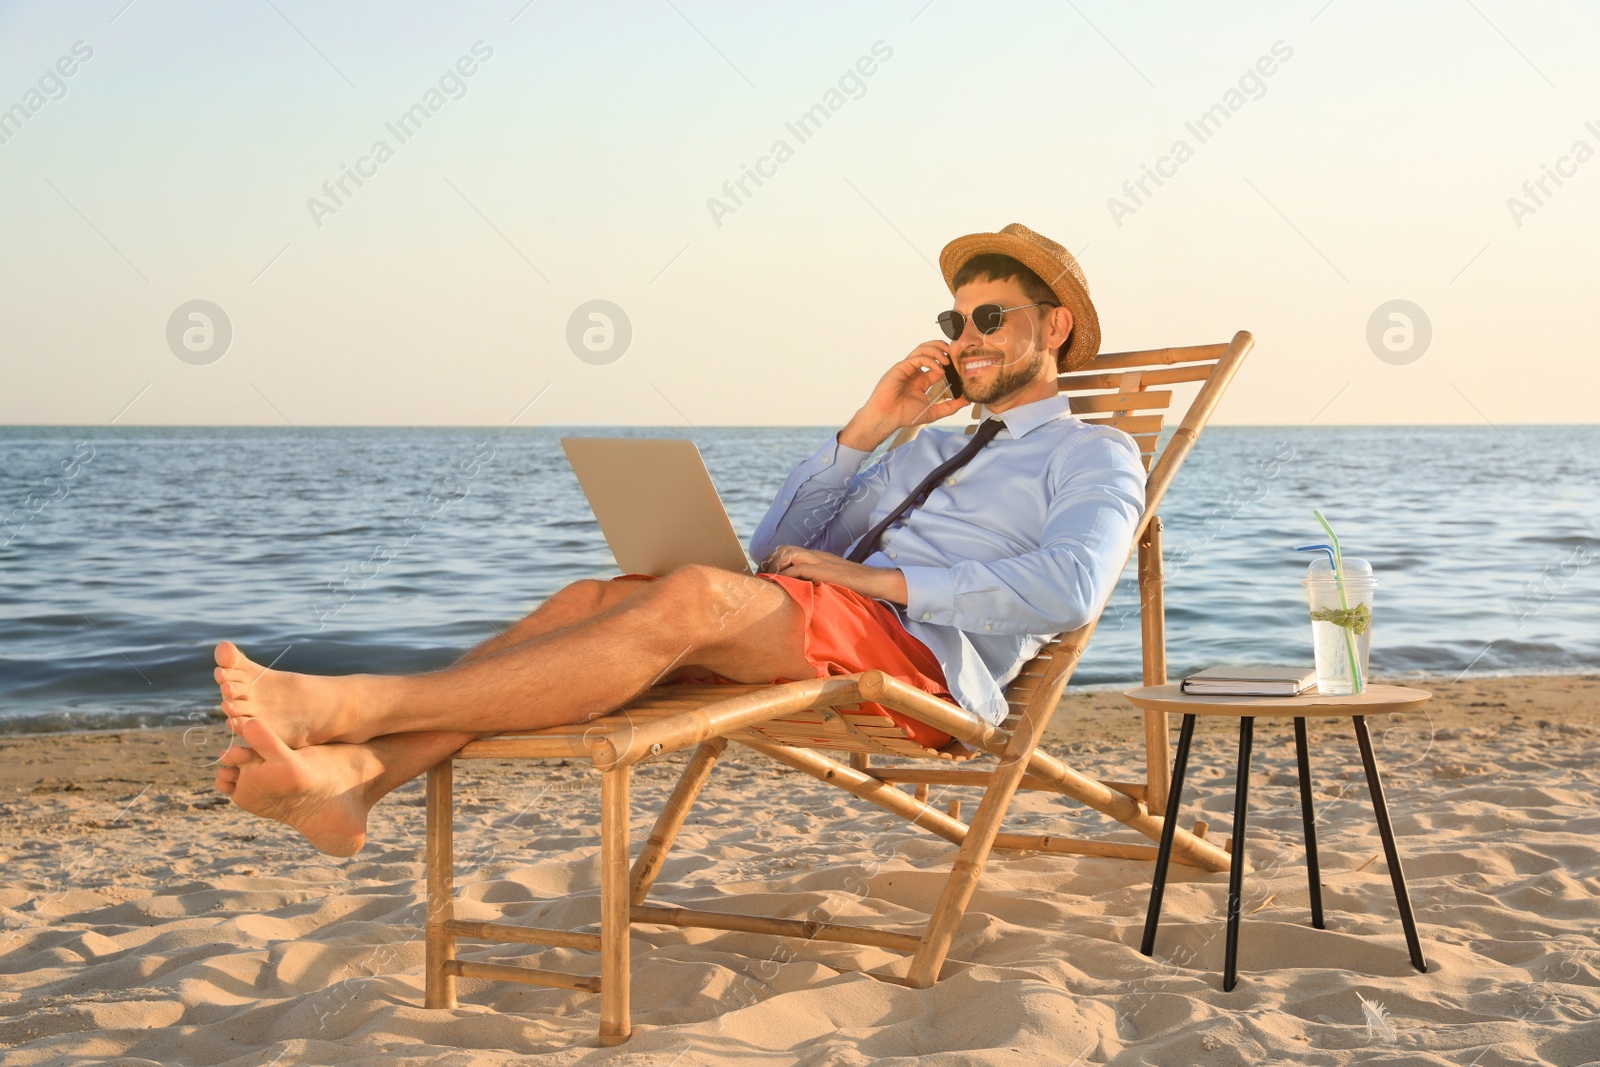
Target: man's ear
(1058, 327)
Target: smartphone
(953, 376)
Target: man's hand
(900, 399)
(878, 582)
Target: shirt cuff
(930, 594)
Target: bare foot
(321, 791)
(302, 709)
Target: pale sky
(1376, 162)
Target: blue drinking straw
(1313, 548)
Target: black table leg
(1397, 876)
(1241, 795)
(1169, 825)
(1308, 816)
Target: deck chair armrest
(629, 743)
(940, 714)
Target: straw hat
(1053, 264)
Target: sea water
(127, 553)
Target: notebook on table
(1251, 681)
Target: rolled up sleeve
(1096, 499)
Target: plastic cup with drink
(1340, 590)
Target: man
(1020, 541)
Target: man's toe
(235, 756)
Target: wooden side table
(1377, 699)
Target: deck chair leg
(615, 917)
(671, 819)
(1153, 642)
(1158, 756)
(971, 857)
(439, 983)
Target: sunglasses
(986, 317)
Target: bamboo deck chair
(792, 721)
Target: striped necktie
(869, 542)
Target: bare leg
(744, 628)
(327, 791)
(571, 604)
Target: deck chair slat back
(1130, 424)
(1121, 402)
(1154, 357)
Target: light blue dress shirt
(1015, 548)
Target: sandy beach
(144, 920)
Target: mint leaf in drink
(1355, 619)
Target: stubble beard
(1009, 378)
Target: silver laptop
(656, 504)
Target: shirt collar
(1030, 416)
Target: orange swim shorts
(847, 633)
